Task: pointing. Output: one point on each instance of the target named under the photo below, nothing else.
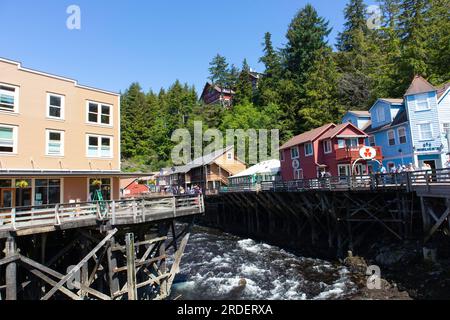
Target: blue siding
(386, 107)
(444, 116)
(360, 122)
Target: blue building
(414, 130)
(428, 111)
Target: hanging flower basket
(22, 184)
(97, 183)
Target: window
(55, 143)
(309, 149)
(229, 156)
(99, 113)
(402, 135)
(341, 143)
(104, 188)
(282, 155)
(352, 143)
(372, 142)
(55, 106)
(425, 131)
(294, 153)
(8, 139)
(380, 114)
(298, 174)
(391, 137)
(327, 146)
(9, 98)
(48, 191)
(99, 146)
(422, 102)
(446, 127)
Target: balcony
(352, 154)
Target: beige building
(56, 138)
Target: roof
(45, 74)
(419, 85)
(442, 89)
(126, 182)
(270, 166)
(307, 136)
(360, 113)
(205, 160)
(392, 100)
(68, 173)
(402, 117)
(217, 88)
(338, 129)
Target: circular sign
(295, 164)
(368, 153)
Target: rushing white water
(220, 266)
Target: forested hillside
(306, 83)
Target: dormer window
(380, 114)
(422, 102)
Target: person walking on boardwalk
(383, 172)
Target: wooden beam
(64, 290)
(131, 267)
(79, 265)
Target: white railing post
(57, 218)
(13, 218)
(143, 209)
(174, 206)
(113, 212)
(97, 207)
(134, 209)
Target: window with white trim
(99, 146)
(99, 113)
(55, 143)
(55, 106)
(8, 139)
(380, 114)
(294, 153)
(425, 131)
(9, 98)
(391, 137)
(327, 146)
(401, 135)
(372, 141)
(422, 102)
(298, 174)
(309, 149)
(341, 143)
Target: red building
(131, 188)
(216, 95)
(330, 148)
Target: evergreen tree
(355, 27)
(244, 87)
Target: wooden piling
(131, 266)
(11, 269)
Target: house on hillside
(209, 172)
(330, 148)
(213, 94)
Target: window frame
(99, 114)
(99, 146)
(327, 147)
(419, 127)
(416, 102)
(402, 136)
(298, 153)
(282, 155)
(62, 107)
(15, 110)
(312, 149)
(389, 138)
(47, 141)
(380, 111)
(15, 139)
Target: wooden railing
(136, 209)
(407, 181)
(353, 153)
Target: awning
(68, 174)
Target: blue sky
(151, 42)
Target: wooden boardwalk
(35, 220)
(98, 250)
